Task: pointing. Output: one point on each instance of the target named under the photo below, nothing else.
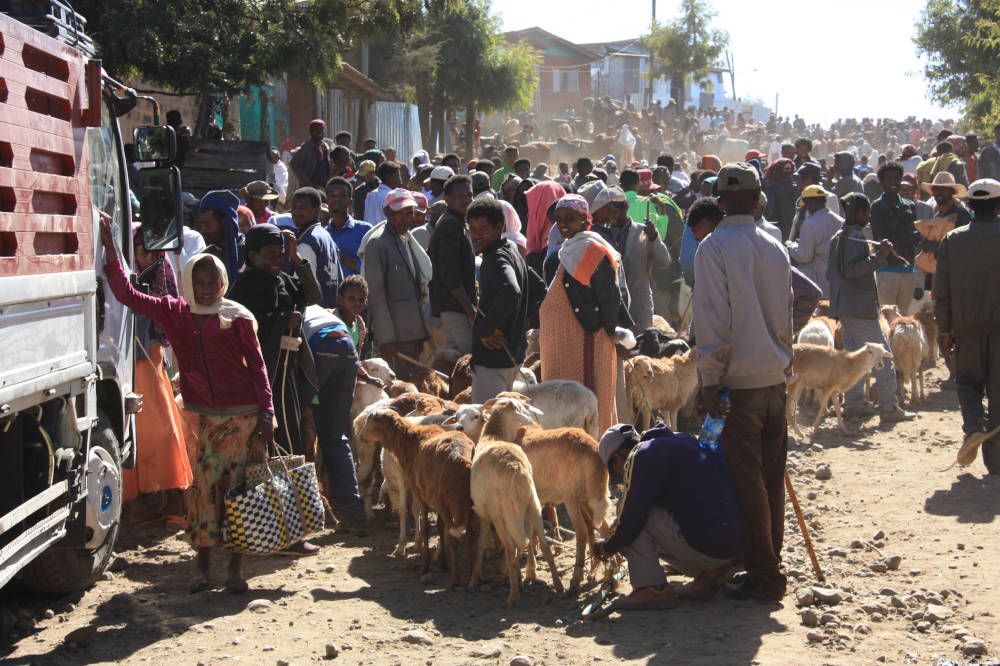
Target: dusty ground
(942, 524)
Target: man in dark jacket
(453, 286)
(854, 301)
(499, 330)
(966, 303)
(680, 505)
(311, 162)
(892, 219)
(315, 244)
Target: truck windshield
(105, 173)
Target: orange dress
(569, 352)
(161, 452)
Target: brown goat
(465, 397)
(430, 382)
(398, 388)
(436, 465)
(567, 469)
(461, 376)
(420, 403)
(504, 495)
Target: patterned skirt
(569, 352)
(218, 462)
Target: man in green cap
(743, 329)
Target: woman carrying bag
(227, 397)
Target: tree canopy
(223, 47)
(685, 48)
(961, 40)
(459, 58)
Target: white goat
(833, 372)
(909, 348)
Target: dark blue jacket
(671, 471)
(328, 272)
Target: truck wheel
(60, 570)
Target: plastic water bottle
(711, 430)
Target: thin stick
(410, 359)
(874, 243)
(802, 526)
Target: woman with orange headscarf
(582, 310)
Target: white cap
(984, 188)
(441, 173)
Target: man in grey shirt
(743, 330)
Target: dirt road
(885, 499)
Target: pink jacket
(219, 368)
(540, 197)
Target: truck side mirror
(160, 207)
(155, 144)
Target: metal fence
(391, 124)
(396, 125)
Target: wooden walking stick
(803, 528)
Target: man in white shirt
(280, 178)
(388, 173)
(812, 249)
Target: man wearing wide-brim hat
(966, 306)
(259, 196)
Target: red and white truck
(66, 345)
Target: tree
(685, 48)
(218, 48)
(459, 59)
(961, 40)
(477, 69)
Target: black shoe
(354, 527)
(741, 587)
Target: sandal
(238, 586)
(200, 586)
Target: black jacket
(893, 218)
(504, 297)
(454, 262)
(598, 306)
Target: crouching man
(679, 506)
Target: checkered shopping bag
(264, 518)
(258, 472)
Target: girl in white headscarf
(227, 397)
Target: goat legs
(792, 406)
(403, 510)
(582, 530)
(547, 554)
(423, 540)
(838, 405)
(824, 402)
(485, 527)
(553, 516)
(450, 542)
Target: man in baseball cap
(743, 326)
(966, 300)
(679, 505)
(259, 196)
(435, 184)
(397, 271)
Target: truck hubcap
(104, 496)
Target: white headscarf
(224, 308)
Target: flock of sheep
(421, 446)
(821, 364)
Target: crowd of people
(282, 287)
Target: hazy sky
(825, 59)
